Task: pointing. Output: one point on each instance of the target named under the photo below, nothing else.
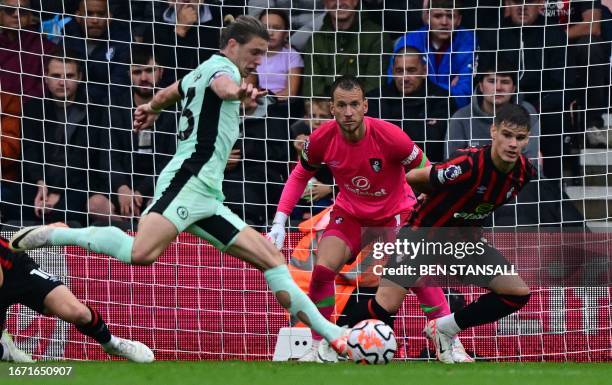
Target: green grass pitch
(271, 373)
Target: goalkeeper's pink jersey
(370, 173)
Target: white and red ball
(372, 342)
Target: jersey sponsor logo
(413, 155)
(182, 212)
(450, 173)
(361, 185)
(376, 164)
(361, 182)
(481, 211)
(339, 220)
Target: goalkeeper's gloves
(277, 232)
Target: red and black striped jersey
(467, 188)
(7, 256)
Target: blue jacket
(459, 62)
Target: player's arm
(227, 89)
(292, 192)
(147, 113)
(454, 171)
(420, 180)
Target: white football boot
(14, 353)
(32, 237)
(132, 350)
(442, 342)
(458, 352)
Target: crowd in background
(71, 73)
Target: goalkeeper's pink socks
(299, 305)
(322, 292)
(432, 301)
(106, 240)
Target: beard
(144, 92)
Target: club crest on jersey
(376, 164)
(339, 220)
(182, 212)
(450, 173)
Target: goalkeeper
(368, 158)
(188, 194)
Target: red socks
(322, 292)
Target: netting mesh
(75, 161)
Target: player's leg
(340, 242)
(62, 303)
(387, 302)
(332, 254)
(227, 232)
(508, 294)
(154, 234)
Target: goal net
(74, 160)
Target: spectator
(21, 70)
(186, 34)
(538, 51)
(64, 146)
(344, 45)
(449, 48)
(415, 103)
(136, 158)
(303, 13)
(587, 59)
(280, 70)
(470, 125)
(21, 47)
(319, 193)
(103, 44)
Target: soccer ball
(372, 342)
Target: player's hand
(248, 92)
(277, 232)
(422, 197)
(144, 117)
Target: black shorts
(26, 284)
(446, 270)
